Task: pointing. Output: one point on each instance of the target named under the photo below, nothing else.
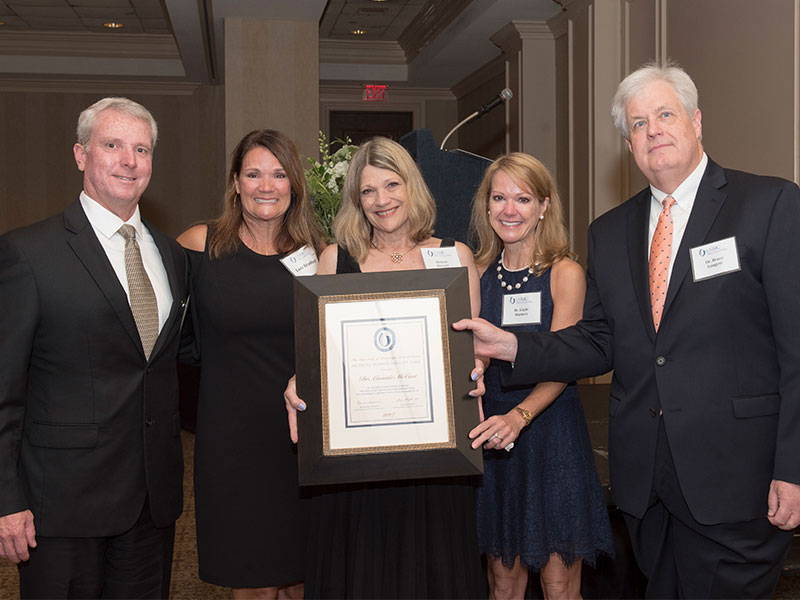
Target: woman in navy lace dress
(540, 506)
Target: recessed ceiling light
(113, 25)
(358, 31)
(379, 0)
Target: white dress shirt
(684, 196)
(106, 227)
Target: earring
(541, 217)
(488, 212)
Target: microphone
(503, 96)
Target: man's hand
(784, 504)
(16, 534)
(489, 341)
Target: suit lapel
(175, 286)
(90, 252)
(638, 225)
(707, 204)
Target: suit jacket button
(148, 422)
(661, 361)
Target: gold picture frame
(384, 376)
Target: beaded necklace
(511, 287)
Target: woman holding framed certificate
(404, 538)
(249, 508)
(540, 505)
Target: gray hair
(87, 119)
(668, 71)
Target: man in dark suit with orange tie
(692, 299)
(91, 303)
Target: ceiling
(425, 43)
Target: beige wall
(440, 117)
(38, 176)
(272, 80)
(742, 56)
(486, 136)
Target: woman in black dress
(540, 506)
(395, 539)
(250, 512)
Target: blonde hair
(350, 227)
(300, 226)
(551, 240)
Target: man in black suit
(704, 428)
(91, 303)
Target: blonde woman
(539, 505)
(393, 539)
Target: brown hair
(551, 241)
(351, 227)
(300, 226)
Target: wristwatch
(526, 414)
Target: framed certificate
(384, 376)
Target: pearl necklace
(509, 286)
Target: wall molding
(116, 45)
(361, 52)
(97, 86)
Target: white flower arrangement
(325, 179)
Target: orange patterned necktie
(143, 299)
(660, 251)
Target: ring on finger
(494, 436)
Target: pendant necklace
(395, 256)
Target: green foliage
(325, 179)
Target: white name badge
(714, 259)
(301, 262)
(440, 258)
(522, 309)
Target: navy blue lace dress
(544, 495)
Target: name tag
(714, 259)
(522, 309)
(440, 258)
(301, 262)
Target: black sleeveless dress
(250, 514)
(395, 539)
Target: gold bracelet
(526, 414)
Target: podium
(452, 176)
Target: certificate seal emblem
(384, 339)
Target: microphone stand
(453, 130)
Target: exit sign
(374, 92)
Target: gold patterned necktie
(660, 252)
(143, 299)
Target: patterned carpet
(186, 584)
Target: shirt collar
(685, 193)
(106, 222)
